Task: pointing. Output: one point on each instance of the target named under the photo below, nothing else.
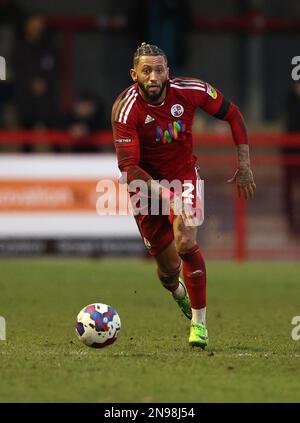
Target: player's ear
(133, 74)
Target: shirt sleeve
(127, 147)
(213, 102)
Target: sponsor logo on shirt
(123, 140)
(211, 91)
(170, 134)
(177, 110)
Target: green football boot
(198, 335)
(184, 303)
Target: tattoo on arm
(244, 175)
(243, 156)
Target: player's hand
(179, 208)
(243, 178)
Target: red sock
(195, 284)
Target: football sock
(179, 292)
(199, 315)
(194, 273)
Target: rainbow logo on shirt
(170, 134)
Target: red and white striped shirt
(156, 140)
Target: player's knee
(183, 243)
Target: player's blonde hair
(147, 50)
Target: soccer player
(152, 126)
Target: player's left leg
(194, 272)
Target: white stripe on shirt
(188, 87)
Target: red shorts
(157, 231)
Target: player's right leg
(158, 237)
(168, 270)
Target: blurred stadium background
(65, 66)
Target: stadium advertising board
(46, 198)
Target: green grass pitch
(251, 356)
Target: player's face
(151, 73)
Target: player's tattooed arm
(219, 107)
(243, 156)
(243, 175)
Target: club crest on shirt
(211, 91)
(177, 110)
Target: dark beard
(152, 97)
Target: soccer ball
(98, 325)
